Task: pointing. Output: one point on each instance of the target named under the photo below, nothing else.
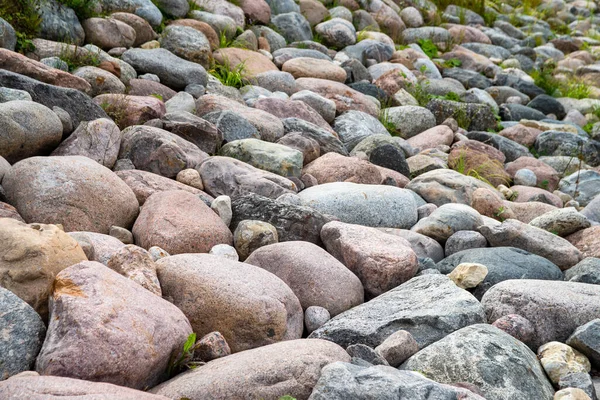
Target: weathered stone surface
(249, 306)
(333, 167)
(97, 246)
(272, 157)
(254, 62)
(108, 33)
(555, 308)
(179, 222)
(251, 235)
(294, 366)
(318, 280)
(468, 275)
(341, 381)
(429, 307)
(369, 205)
(135, 263)
(380, 261)
(479, 354)
(106, 346)
(448, 219)
(423, 246)
(586, 339)
(562, 221)
(132, 110)
(22, 335)
(587, 241)
(560, 360)
(516, 326)
(187, 43)
(74, 191)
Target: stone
(333, 167)
(131, 110)
(410, 120)
(397, 348)
(464, 240)
(328, 142)
(433, 137)
(135, 263)
(97, 199)
(97, 246)
(468, 275)
(545, 175)
(325, 107)
(190, 177)
(562, 221)
(295, 364)
(108, 33)
(309, 147)
(423, 246)
(222, 206)
(585, 340)
(512, 150)
(143, 30)
(23, 335)
(225, 251)
(503, 263)
(110, 356)
(181, 102)
(320, 280)
(306, 67)
(586, 271)
(211, 346)
(28, 129)
(448, 219)
(560, 360)
(249, 306)
(124, 235)
(516, 326)
(250, 235)
(98, 140)
(341, 380)
(187, 43)
(354, 126)
(101, 81)
(293, 222)
(571, 394)
(173, 71)
(525, 177)
(418, 307)
(565, 305)
(8, 36)
(272, 157)
(315, 317)
(369, 205)
(586, 240)
(179, 222)
(146, 87)
(583, 186)
(581, 381)
(35, 387)
(479, 353)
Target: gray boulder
(429, 307)
(479, 355)
(562, 221)
(142, 8)
(586, 339)
(8, 36)
(586, 271)
(448, 219)
(60, 23)
(354, 126)
(292, 26)
(187, 43)
(582, 185)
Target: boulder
(587, 241)
(334, 167)
(97, 246)
(272, 157)
(448, 219)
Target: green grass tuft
(428, 47)
(24, 17)
(234, 77)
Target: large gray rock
(293, 222)
(410, 120)
(429, 307)
(353, 126)
(342, 381)
(583, 185)
(511, 149)
(479, 355)
(586, 339)
(555, 143)
(276, 158)
(22, 335)
(187, 43)
(369, 205)
(28, 129)
(448, 219)
(173, 71)
(515, 233)
(555, 308)
(79, 106)
(503, 263)
(142, 8)
(60, 23)
(562, 221)
(586, 271)
(327, 141)
(293, 26)
(8, 36)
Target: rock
(210, 347)
(354, 126)
(249, 306)
(225, 251)
(271, 157)
(109, 357)
(464, 240)
(516, 326)
(548, 105)
(159, 151)
(15, 62)
(190, 177)
(432, 138)
(305, 67)
(585, 339)
(222, 206)
(586, 241)
(199, 131)
(97, 199)
(187, 43)
(251, 235)
(555, 143)
(565, 305)
(108, 33)
(586, 271)
(562, 221)
(571, 394)
(8, 38)
(525, 177)
(99, 140)
(97, 246)
(180, 103)
(418, 306)
(468, 275)
(397, 348)
(293, 222)
(143, 31)
(546, 176)
(179, 222)
(309, 147)
(295, 364)
(446, 186)
(312, 279)
(325, 107)
(583, 186)
(333, 167)
(35, 387)
(560, 360)
(29, 129)
(328, 143)
(124, 236)
(173, 71)
(478, 353)
(535, 240)
(503, 263)
(131, 110)
(23, 334)
(344, 381)
(363, 204)
(254, 63)
(423, 246)
(146, 87)
(136, 264)
(410, 120)
(448, 219)
(315, 317)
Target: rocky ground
(311, 199)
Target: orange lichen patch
(66, 287)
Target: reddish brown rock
(344, 97)
(306, 67)
(318, 280)
(131, 110)
(467, 34)
(108, 33)
(472, 162)
(31, 386)
(520, 134)
(526, 212)
(380, 261)
(333, 167)
(547, 177)
(144, 184)
(438, 135)
(313, 11)
(292, 109)
(249, 306)
(31, 256)
(389, 175)
(491, 204)
(146, 87)
(20, 64)
(587, 241)
(125, 335)
(179, 222)
(391, 82)
(474, 146)
(74, 191)
(211, 346)
(525, 194)
(254, 62)
(256, 11)
(143, 30)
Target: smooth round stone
(464, 240)
(315, 317)
(225, 251)
(516, 326)
(525, 177)
(468, 275)
(251, 235)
